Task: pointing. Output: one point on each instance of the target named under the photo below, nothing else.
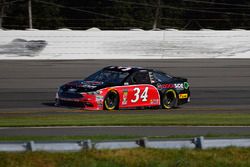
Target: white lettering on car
(143, 96)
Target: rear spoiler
(181, 79)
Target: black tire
(111, 101)
(169, 99)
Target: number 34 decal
(143, 95)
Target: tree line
(125, 14)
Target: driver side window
(139, 78)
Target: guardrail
(199, 143)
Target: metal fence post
(142, 142)
(86, 144)
(199, 142)
(31, 146)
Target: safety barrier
(199, 143)
(51, 44)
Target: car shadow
(140, 110)
(49, 104)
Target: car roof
(124, 68)
(130, 69)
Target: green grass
(66, 138)
(125, 119)
(131, 158)
(112, 137)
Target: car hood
(83, 86)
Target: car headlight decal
(94, 92)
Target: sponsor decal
(99, 104)
(88, 86)
(70, 99)
(179, 86)
(124, 101)
(154, 101)
(99, 98)
(186, 85)
(125, 97)
(125, 90)
(165, 86)
(151, 76)
(92, 82)
(72, 90)
(183, 96)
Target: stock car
(116, 87)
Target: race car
(116, 87)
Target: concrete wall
(58, 44)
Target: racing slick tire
(111, 101)
(169, 99)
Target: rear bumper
(184, 97)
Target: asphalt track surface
(124, 131)
(217, 85)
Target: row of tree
(125, 14)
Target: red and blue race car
(116, 87)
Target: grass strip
(98, 138)
(66, 138)
(125, 119)
(131, 158)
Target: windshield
(108, 76)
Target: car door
(139, 92)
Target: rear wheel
(111, 101)
(169, 99)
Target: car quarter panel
(138, 95)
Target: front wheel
(111, 100)
(169, 99)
